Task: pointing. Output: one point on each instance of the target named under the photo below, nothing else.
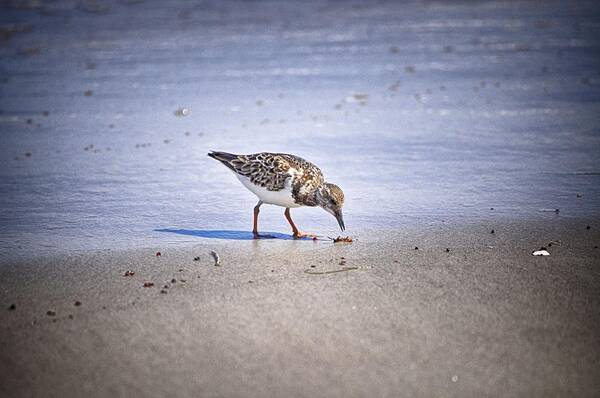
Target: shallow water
(422, 112)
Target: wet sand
(485, 318)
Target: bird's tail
(223, 157)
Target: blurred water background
(423, 112)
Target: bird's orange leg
(297, 234)
(255, 226)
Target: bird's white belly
(280, 198)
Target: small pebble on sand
(182, 112)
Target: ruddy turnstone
(284, 180)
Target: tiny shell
(541, 253)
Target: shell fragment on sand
(541, 252)
(215, 257)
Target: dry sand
(484, 319)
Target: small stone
(12, 307)
(492, 232)
(196, 258)
(129, 273)
(88, 93)
(77, 303)
(148, 284)
(182, 112)
(29, 121)
(588, 227)
(163, 291)
(158, 254)
(447, 250)
(173, 280)
(416, 248)
(70, 316)
(50, 313)
(578, 195)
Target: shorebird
(284, 180)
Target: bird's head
(331, 198)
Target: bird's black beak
(340, 219)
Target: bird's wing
(267, 170)
(271, 170)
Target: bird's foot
(300, 235)
(262, 236)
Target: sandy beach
(485, 318)
(465, 135)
